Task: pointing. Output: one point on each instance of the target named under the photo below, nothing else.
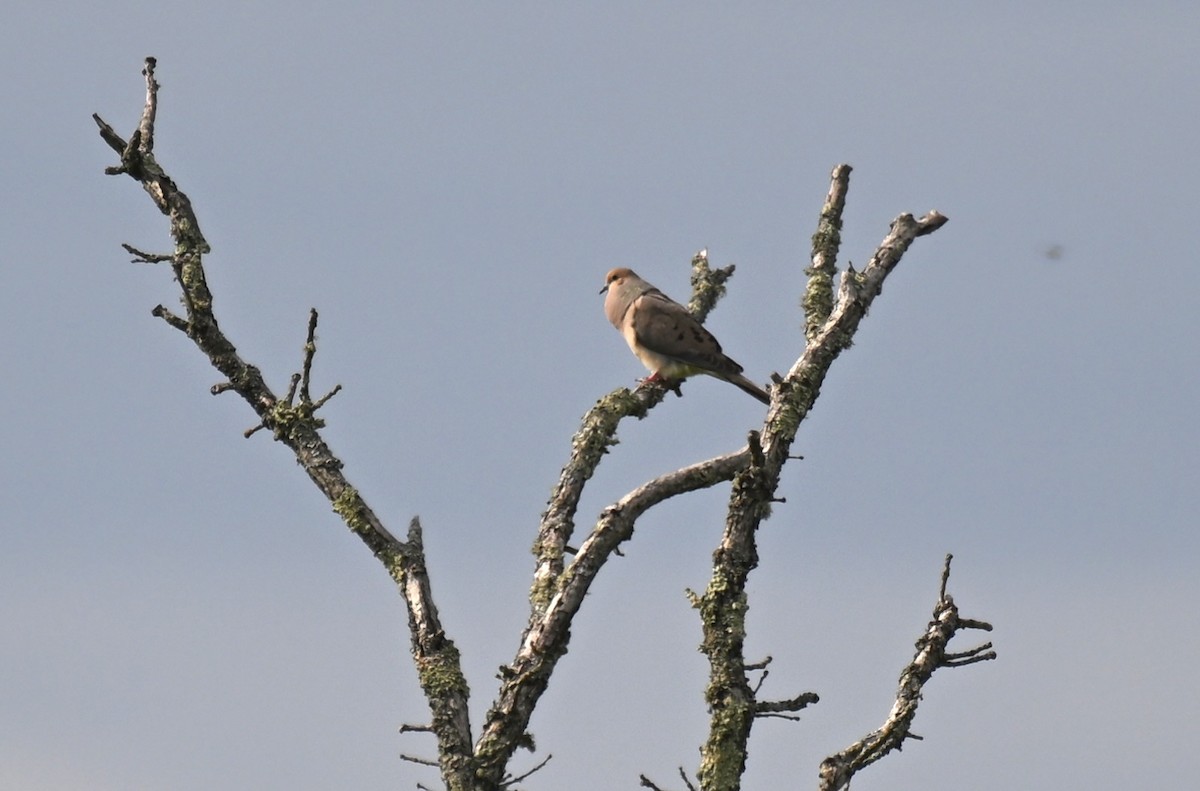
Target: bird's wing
(665, 327)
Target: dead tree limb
(837, 770)
(296, 426)
(831, 321)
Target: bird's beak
(604, 289)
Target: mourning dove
(665, 336)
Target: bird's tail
(750, 388)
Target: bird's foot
(673, 385)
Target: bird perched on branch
(665, 336)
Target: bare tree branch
(296, 427)
(545, 640)
(830, 325)
(818, 296)
(838, 769)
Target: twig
(289, 397)
(648, 783)
(765, 708)
(519, 778)
(416, 760)
(170, 318)
(945, 576)
(140, 257)
(320, 402)
(310, 351)
(761, 664)
(288, 412)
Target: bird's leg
(666, 384)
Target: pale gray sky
(179, 609)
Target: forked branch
(838, 769)
(831, 319)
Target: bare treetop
(564, 571)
